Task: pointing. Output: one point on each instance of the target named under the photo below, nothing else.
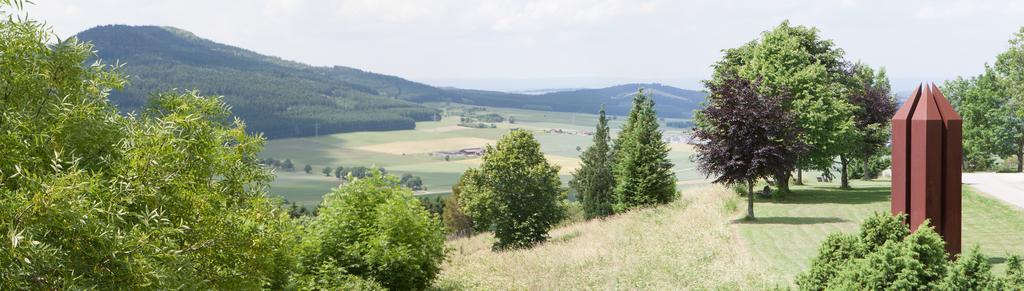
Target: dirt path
(1006, 186)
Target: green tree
(875, 105)
(643, 172)
(375, 229)
(326, 171)
(308, 169)
(288, 165)
(172, 198)
(358, 171)
(595, 179)
(795, 60)
(455, 220)
(339, 172)
(516, 192)
(981, 102)
(1011, 65)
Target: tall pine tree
(595, 180)
(643, 173)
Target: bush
(971, 271)
(374, 228)
(876, 165)
(456, 222)
(328, 276)
(515, 191)
(886, 256)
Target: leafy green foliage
(992, 108)
(981, 101)
(173, 198)
(643, 172)
(796, 61)
(595, 179)
(871, 95)
(971, 271)
(887, 256)
(1011, 65)
(374, 228)
(1014, 273)
(455, 220)
(328, 276)
(516, 191)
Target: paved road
(1006, 186)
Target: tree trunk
(750, 199)
(844, 177)
(782, 182)
(867, 167)
(799, 177)
(1020, 158)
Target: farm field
(409, 151)
(788, 231)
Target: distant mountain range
(283, 98)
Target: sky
(524, 44)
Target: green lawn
(788, 231)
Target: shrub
(455, 221)
(971, 271)
(374, 228)
(886, 256)
(328, 276)
(516, 190)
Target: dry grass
(427, 146)
(689, 244)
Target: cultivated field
(409, 151)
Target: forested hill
(277, 97)
(670, 101)
(282, 98)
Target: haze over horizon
(525, 45)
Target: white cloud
(600, 39)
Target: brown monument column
(926, 163)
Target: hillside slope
(277, 97)
(669, 101)
(283, 98)
(686, 245)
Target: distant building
(472, 151)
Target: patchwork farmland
(421, 151)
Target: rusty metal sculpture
(926, 163)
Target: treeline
(341, 172)
(992, 107)
(516, 192)
(275, 97)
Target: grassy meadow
(408, 151)
(688, 244)
(699, 242)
